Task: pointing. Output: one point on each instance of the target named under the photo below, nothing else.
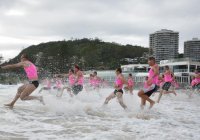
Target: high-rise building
(164, 44)
(192, 49)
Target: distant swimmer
(130, 85)
(25, 90)
(118, 85)
(78, 86)
(91, 80)
(47, 83)
(160, 82)
(104, 83)
(196, 80)
(71, 83)
(195, 83)
(58, 83)
(168, 79)
(96, 81)
(152, 81)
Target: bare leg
(120, 99)
(131, 90)
(143, 103)
(70, 91)
(126, 89)
(171, 92)
(44, 88)
(62, 90)
(111, 96)
(41, 89)
(19, 91)
(142, 95)
(25, 95)
(160, 95)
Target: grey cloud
(100, 18)
(4, 47)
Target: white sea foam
(83, 117)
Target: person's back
(31, 70)
(78, 86)
(168, 76)
(152, 75)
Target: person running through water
(160, 82)
(47, 86)
(78, 86)
(58, 83)
(97, 81)
(130, 85)
(71, 79)
(144, 94)
(168, 79)
(195, 84)
(91, 80)
(196, 80)
(25, 90)
(118, 85)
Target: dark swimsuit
(35, 83)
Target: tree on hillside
(59, 56)
(1, 59)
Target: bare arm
(12, 66)
(156, 71)
(79, 75)
(124, 80)
(197, 76)
(173, 75)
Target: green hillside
(59, 56)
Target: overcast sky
(27, 22)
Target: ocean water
(83, 117)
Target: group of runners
(154, 82)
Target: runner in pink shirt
(25, 90)
(71, 83)
(96, 81)
(196, 80)
(152, 81)
(118, 85)
(168, 79)
(58, 83)
(79, 79)
(130, 85)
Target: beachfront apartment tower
(192, 49)
(164, 44)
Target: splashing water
(83, 117)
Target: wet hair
(166, 67)
(130, 74)
(95, 72)
(119, 70)
(58, 76)
(152, 58)
(24, 56)
(77, 67)
(71, 70)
